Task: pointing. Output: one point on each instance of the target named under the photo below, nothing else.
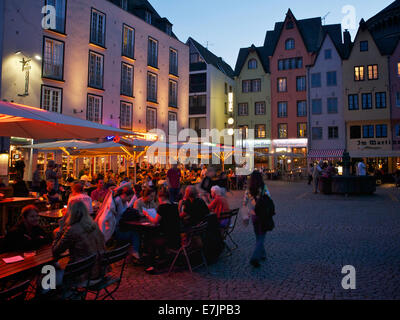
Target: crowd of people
(161, 196)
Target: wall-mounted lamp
(76, 111)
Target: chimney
(346, 38)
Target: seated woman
(81, 236)
(219, 204)
(123, 200)
(146, 201)
(192, 209)
(27, 235)
(169, 233)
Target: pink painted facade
(395, 96)
(291, 96)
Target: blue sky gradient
(228, 25)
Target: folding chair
(18, 292)
(227, 231)
(108, 280)
(187, 248)
(70, 288)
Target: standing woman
(261, 208)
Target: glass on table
(29, 254)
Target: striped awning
(330, 154)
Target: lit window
(282, 131)
(282, 84)
(302, 130)
(373, 72)
(359, 73)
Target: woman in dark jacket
(261, 207)
(81, 236)
(27, 235)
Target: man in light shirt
(78, 194)
(362, 170)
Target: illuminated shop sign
(289, 143)
(256, 143)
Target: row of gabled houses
(310, 93)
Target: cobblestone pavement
(315, 236)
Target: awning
(369, 153)
(327, 154)
(29, 122)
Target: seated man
(27, 234)
(192, 208)
(169, 233)
(100, 192)
(51, 195)
(78, 194)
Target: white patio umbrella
(34, 123)
(62, 144)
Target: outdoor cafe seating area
(202, 241)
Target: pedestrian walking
(316, 174)
(261, 209)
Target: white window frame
(96, 70)
(149, 125)
(128, 41)
(152, 82)
(173, 61)
(94, 112)
(49, 95)
(260, 108)
(173, 93)
(127, 72)
(53, 58)
(98, 28)
(126, 112)
(152, 54)
(243, 109)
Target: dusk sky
(228, 25)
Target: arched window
(289, 44)
(252, 64)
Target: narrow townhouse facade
(295, 44)
(211, 90)
(395, 99)
(253, 102)
(368, 111)
(327, 139)
(109, 61)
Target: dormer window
(252, 64)
(147, 16)
(289, 44)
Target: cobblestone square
(315, 236)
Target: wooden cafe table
(8, 203)
(42, 257)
